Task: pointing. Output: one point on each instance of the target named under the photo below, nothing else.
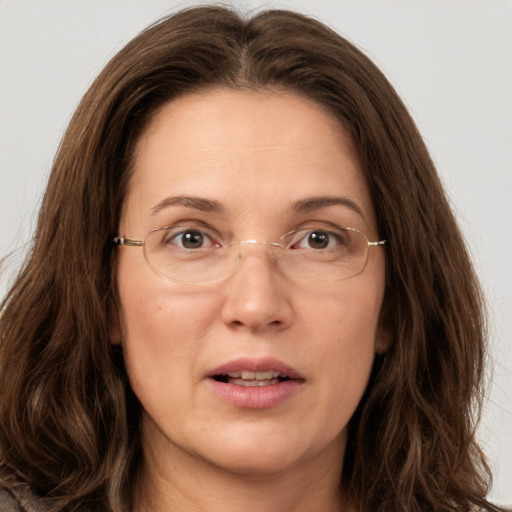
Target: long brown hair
(68, 419)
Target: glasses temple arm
(119, 240)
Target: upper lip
(256, 365)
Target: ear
(382, 343)
(115, 325)
(384, 337)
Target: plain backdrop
(450, 60)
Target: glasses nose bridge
(275, 251)
(252, 241)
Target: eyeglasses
(194, 255)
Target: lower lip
(255, 397)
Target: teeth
(247, 375)
(254, 383)
(249, 379)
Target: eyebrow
(302, 206)
(316, 203)
(198, 203)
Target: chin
(262, 453)
(254, 464)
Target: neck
(173, 480)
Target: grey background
(451, 61)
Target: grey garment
(20, 498)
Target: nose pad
(271, 253)
(256, 295)
(273, 247)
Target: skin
(255, 153)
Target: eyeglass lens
(190, 255)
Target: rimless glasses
(189, 254)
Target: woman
(246, 291)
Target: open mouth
(255, 383)
(251, 379)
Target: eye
(317, 239)
(189, 239)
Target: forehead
(245, 149)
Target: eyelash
(190, 230)
(200, 234)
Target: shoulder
(8, 503)
(20, 498)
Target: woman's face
(246, 165)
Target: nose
(256, 295)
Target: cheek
(161, 329)
(345, 318)
(152, 309)
(344, 326)
(346, 349)
(162, 322)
